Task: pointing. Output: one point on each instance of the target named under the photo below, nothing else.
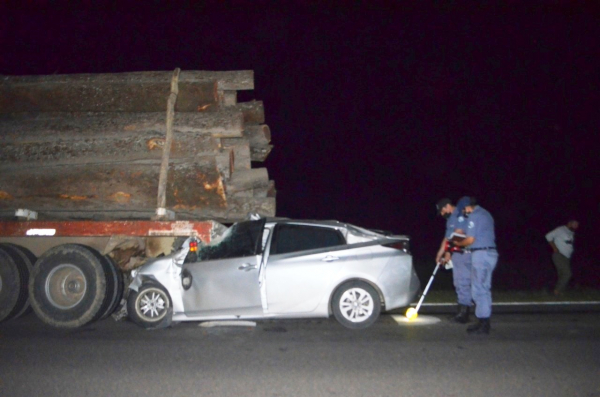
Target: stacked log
(90, 146)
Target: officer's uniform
(484, 258)
(461, 262)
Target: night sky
(378, 111)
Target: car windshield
(240, 240)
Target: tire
(115, 278)
(356, 305)
(68, 286)
(150, 306)
(26, 259)
(13, 284)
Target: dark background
(378, 111)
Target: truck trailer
(99, 172)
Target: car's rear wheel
(356, 305)
(150, 306)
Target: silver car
(277, 268)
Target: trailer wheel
(68, 287)
(150, 306)
(115, 279)
(25, 259)
(13, 284)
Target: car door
(302, 261)
(225, 278)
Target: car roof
(309, 222)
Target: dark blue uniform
(461, 262)
(484, 258)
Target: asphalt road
(526, 355)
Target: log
(114, 186)
(248, 183)
(128, 146)
(253, 111)
(237, 209)
(45, 127)
(260, 153)
(227, 80)
(258, 137)
(118, 92)
(241, 152)
(227, 98)
(257, 134)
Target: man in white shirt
(561, 240)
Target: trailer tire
(115, 279)
(25, 259)
(68, 286)
(13, 284)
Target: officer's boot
(462, 316)
(480, 328)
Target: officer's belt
(480, 249)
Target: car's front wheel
(356, 305)
(150, 306)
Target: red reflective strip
(98, 228)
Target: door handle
(330, 258)
(247, 267)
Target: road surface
(526, 355)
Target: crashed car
(277, 268)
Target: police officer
(481, 241)
(461, 261)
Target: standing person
(561, 240)
(481, 241)
(461, 261)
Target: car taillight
(402, 245)
(193, 246)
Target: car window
(293, 238)
(242, 239)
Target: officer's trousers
(461, 275)
(483, 264)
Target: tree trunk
(123, 186)
(241, 152)
(125, 147)
(237, 209)
(253, 111)
(118, 92)
(248, 183)
(46, 127)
